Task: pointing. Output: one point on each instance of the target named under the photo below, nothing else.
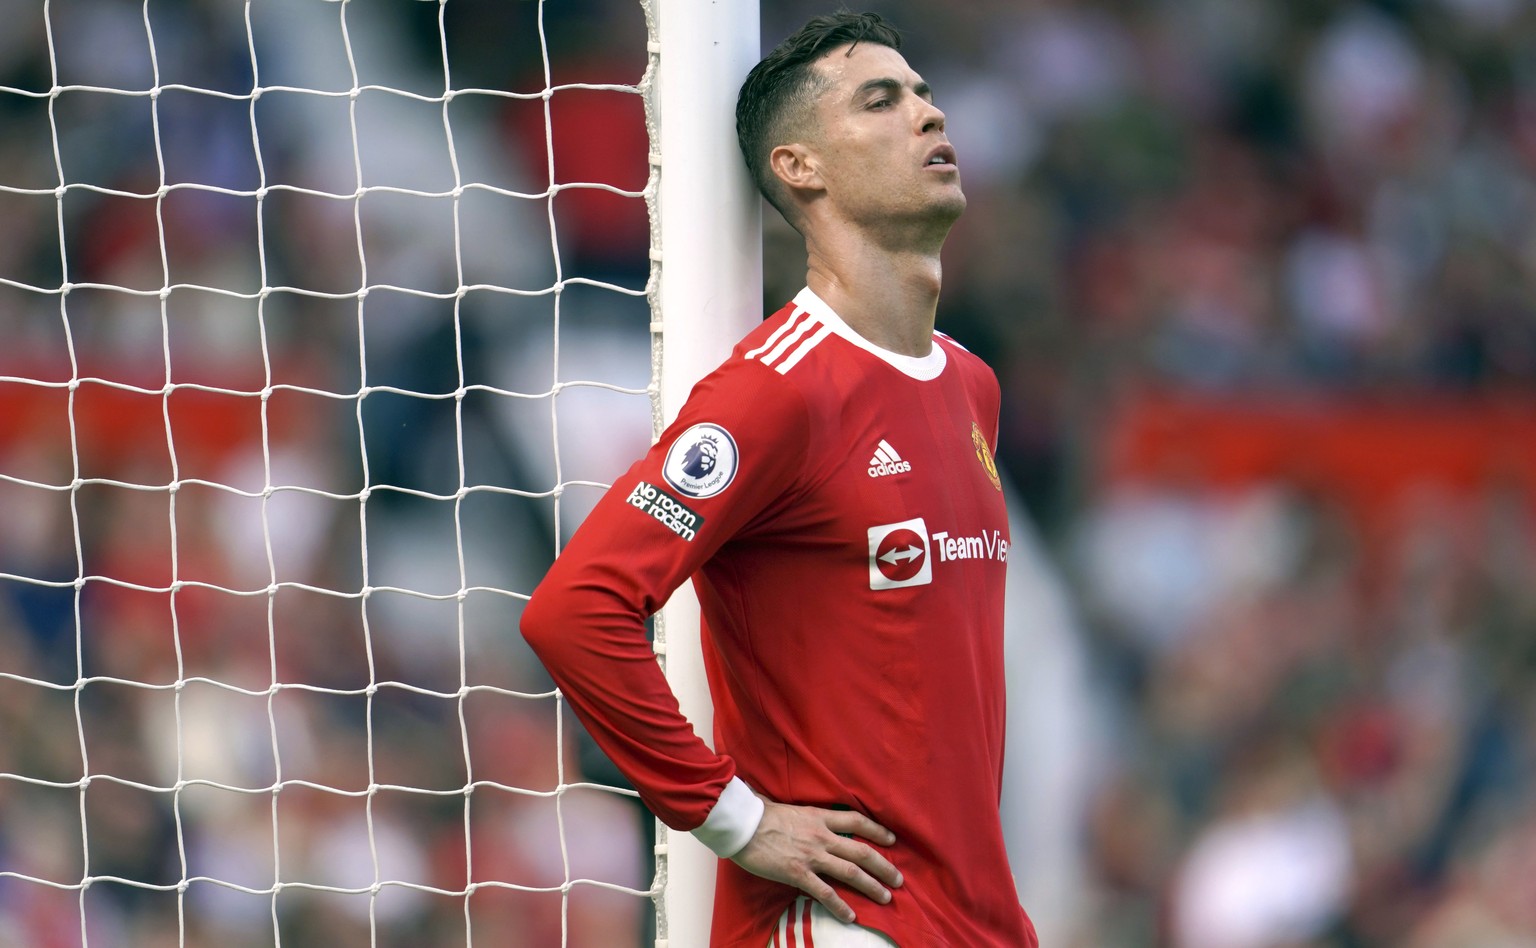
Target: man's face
(881, 142)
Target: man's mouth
(944, 155)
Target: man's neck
(887, 295)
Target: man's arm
(617, 689)
(592, 640)
(586, 622)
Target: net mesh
(324, 324)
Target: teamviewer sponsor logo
(887, 462)
(898, 555)
(980, 546)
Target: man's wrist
(733, 820)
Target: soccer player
(831, 490)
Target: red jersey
(838, 508)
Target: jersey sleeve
(736, 446)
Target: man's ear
(797, 166)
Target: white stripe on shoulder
(800, 351)
(802, 326)
(777, 334)
(921, 368)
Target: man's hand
(797, 845)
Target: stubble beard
(920, 220)
(931, 222)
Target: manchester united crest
(984, 455)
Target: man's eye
(880, 103)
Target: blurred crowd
(1256, 276)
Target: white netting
(321, 324)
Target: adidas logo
(886, 461)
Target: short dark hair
(784, 82)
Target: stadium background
(1257, 280)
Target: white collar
(923, 368)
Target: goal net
(322, 325)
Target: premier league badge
(702, 461)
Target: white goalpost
(323, 323)
(711, 291)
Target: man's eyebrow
(890, 85)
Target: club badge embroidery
(984, 455)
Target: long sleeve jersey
(838, 508)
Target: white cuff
(733, 820)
